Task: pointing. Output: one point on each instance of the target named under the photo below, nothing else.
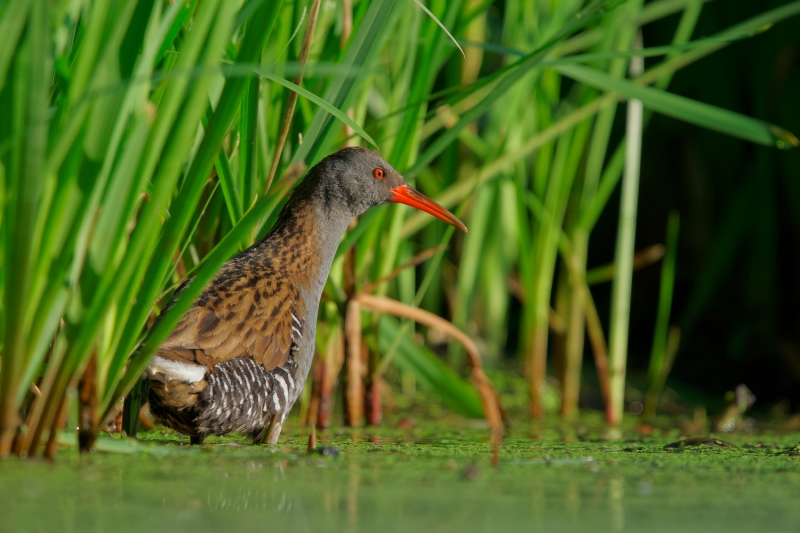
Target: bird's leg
(197, 439)
(272, 432)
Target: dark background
(737, 291)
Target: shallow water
(416, 484)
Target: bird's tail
(174, 384)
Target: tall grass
(140, 138)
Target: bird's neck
(303, 244)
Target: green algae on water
(389, 480)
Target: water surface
(417, 484)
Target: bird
(240, 355)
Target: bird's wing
(250, 322)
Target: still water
(430, 485)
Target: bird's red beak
(406, 195)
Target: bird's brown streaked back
(247, 310)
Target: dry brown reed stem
(291, 102)
(30, 440)
(39, 417)
(354, 369)
(537, 370)
(354, 398)
(22, 444)
(490, 401)
(323, 415)
(373, 409)
(641, 259)
(312, 439)
(374, 405)
(6, 440)
(572, 345)
(87, 406)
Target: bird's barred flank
(242, 396)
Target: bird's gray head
(350, 181)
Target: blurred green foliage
(138, 135)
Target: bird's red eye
(378, 173)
